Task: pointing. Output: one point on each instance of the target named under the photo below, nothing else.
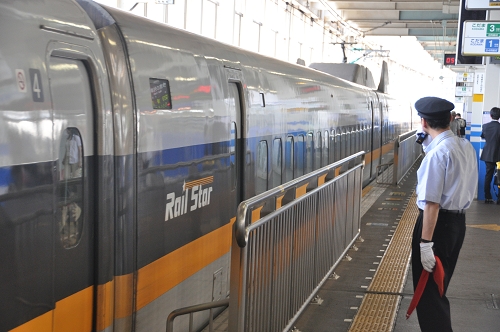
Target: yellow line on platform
(366, 190)
(489, 227)
(379, 307)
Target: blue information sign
(491, 45)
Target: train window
(361, 138)
(354, 144)
(343, 146)
(326, 139)
(358, 138)
(70, 189)
(354, 141)
(337, 149)
(309, 152)
(348, 139)
(386, 131)
(232, 155)
(318, 151)
(276, 162)
(364, 137)
(289, 149)
(368, 137)
(381, 123)
(160, 94)
(331, 150)
(261, 168)
(299, 169)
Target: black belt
(452, 211)
(448, 211)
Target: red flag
(438, 275)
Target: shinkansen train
(126, 146)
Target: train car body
(126, 146)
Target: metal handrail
(406, 153)
(192, 309)
(280, 261)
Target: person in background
(491, 151)
(461, 125)
(447, 182)
(73, 156)
(454, 126)
(498, 182)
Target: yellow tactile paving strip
(377, 313)
(379, 306)
(366, 190)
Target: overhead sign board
(482, 4)
(479, 84)
(465, 77)
(463, 91)
(481, 38)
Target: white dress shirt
(448, 174)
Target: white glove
(427, 256)
(427, 140)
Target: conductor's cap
(433, 108)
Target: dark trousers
(490, 169)
(433, 311)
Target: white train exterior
(125, 148)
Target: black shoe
(488, 201)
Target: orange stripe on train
(73, 313)
(165, 273)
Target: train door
(73, 148)
(236, 144)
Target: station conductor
(447, 183)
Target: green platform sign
(492, 30)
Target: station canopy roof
(433, 22)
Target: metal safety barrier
(280, 260)
(406, 153)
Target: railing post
(404, 156)
(395, 167)
(237, 279)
